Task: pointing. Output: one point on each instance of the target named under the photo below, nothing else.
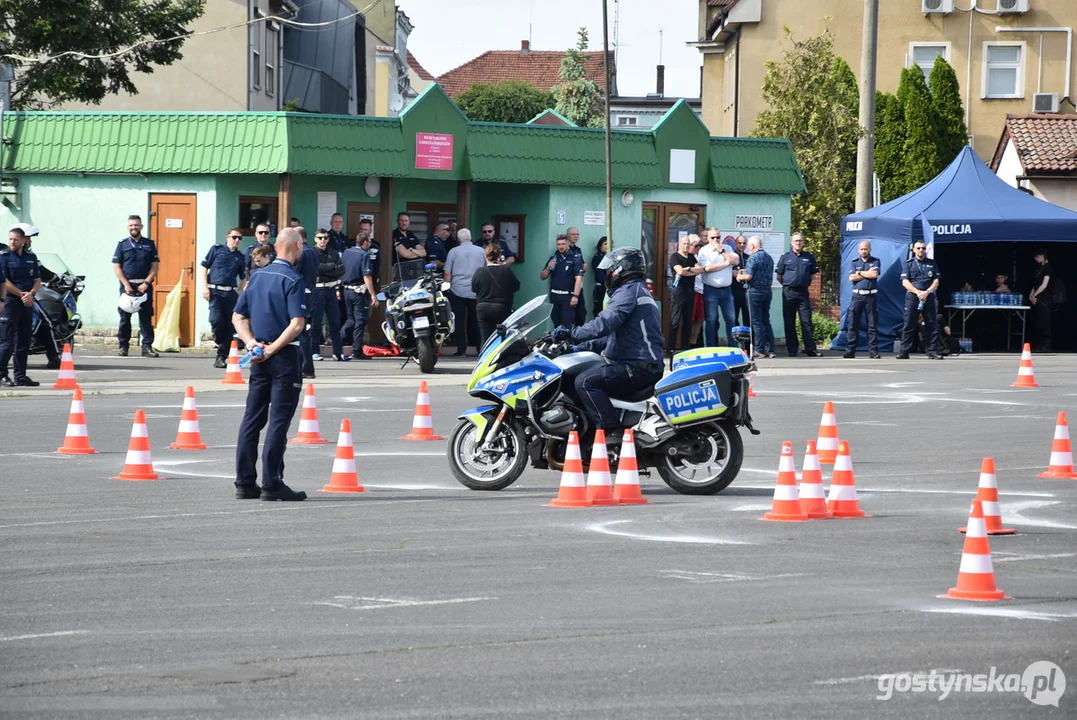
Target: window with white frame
(256, 30)
(729, 80)
(923, 54)
(628, 120)
(1003, 70)
(271, 52)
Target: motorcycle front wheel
(427, 354)
(493, 469)
(717, 453)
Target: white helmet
(27, 229)
(131, 303)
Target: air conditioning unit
(1013, 6)
(1045, 103)
(937, 6)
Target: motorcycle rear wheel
(724, 451)
(428, 356)
(486, 470)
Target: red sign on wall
(433, 151)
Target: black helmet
(621, 265)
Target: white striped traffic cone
(66, 379)
(812, 497)
(1026, 378)
(573, 490)
(786, 504)
(976, 576)
(1061, 464)
(626, 489)
(189, 436)
(422, 425)
(344, 478)
(139, 464)
(76, 439)
(599, 483)
(827, 443)
(233, 374)
(987, 494)
(843, 502)
(308, 422)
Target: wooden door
(173, 227)
(663, 226)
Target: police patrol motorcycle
(417, 315)
(687, 428)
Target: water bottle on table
(245, 361)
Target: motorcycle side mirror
(501, 330)
(445, 286)
(381, 297)
(431, 266)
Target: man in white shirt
(461, 263)
(718, 263)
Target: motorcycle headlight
(80, 286)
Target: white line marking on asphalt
(38, 455)
(41, 523)
(916, 491)
(347, 602)
(899, 385)
(873, 423)
(1018, 558)
(604, 529)
(704, 578)
(200, 406)
(862, 678)
(1010, 417)
(1002, 612)
(1014, 514)
(751, 508)
(35, 636)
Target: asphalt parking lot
(421, 599)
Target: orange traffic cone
(1061, 464)
(76, 439)
(843, 501)
(976, 577)
(786, 505)
(422, 425)
(573, 492)
(66, 379)
(1025, 377)
(344, 478)
(233, 375)
(599, 484)
(827, 444)
(308, 422)
(189, 437)
(751, 385)
(138, 465)
(987, 494)
(626, 487)
(812, 497)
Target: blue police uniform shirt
(628, 329)
(135, 258)
(21, 270)
(564, 274)
(435, 249)
(921, 273)
(861, 265)
(249, 255)
(307, 267)
(796, 270)
(339, 241)
(226, 267)
(274, 296)
(506, 253)
(761, 267)
(356, 265)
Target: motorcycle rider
(628, 332)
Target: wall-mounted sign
(594, 217)
(763, 223)
(561, 217)
(173, 222)
(433, 151)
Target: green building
(191, 176)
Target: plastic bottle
(245, 361)
(920, 305)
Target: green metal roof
(750, 165)
(337, 145)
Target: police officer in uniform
(794, 271)
(508, 257)
(406, 244)
(865, 280)
(307, 267)
(22, 274)
(359, 292)
(271, 314)
(565, 273)
(573, 237)
(261, 235)
(224, 273)
(366, 230)
(337, 239)
(135, 263)
(920, 277)
(330, 270)
(628, 332)
(437, 250)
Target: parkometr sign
(763, 223)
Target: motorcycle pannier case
(728, 356)
(694, 393)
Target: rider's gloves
(577, 348)
(562, 333)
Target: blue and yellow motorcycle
(687, 428)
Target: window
(1004, 70)
(627, 120)
(729, 79)
(256, 210)
(256, 30)
(924, 54)
(420, 214)
(271, 54)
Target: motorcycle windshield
(53, 263)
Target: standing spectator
(600, 275)
(337, 239)
(507, 256)
(437, 251)
(224, 273)
(135, 263)
(451, 241)
(306, 266)
(865, 280)
(740, 298)
(1041, 299)
(920, 277)
(261, 236)
(294, 223)
(573, 237)
(494, 286)
(21, 277)
(463, 262)
(795, 270)
(565, 273)
(406, 244)
(717, 272)
(756, 275)
(262, 256)
(699, 308)
(359, 291)
(684, 268)
(366, 230)
(324, 298)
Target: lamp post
(865, 150)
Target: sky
(448, 33)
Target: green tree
(813, 101)
(921, 129)
(950, 112)
(578, 98)
(889, 146)
(511, 101)
(32, 29)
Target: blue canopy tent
(965, 203)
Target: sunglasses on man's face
(262, 232)
(235, 237)
(321, 237)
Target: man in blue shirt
(573, 237)
(337, 239)
(795, 270)
(22, 279)
(565, 273)
(307, 267)
(508, 257)
(920, 278)
(436, 250)
(224, 273)
(261, 235)
(756, 275)
(865, 280)
(271, 314)
(359, 292)
(324, 298)
(135, 263)
(406, 244)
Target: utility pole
(865, 150)
(609, 150)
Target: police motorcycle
(417, 315)
(55, 314)
(687, 428)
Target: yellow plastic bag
(167, 332)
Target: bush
(823, 329)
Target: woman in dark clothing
(683, 269)
(1041, 300)
(493, 285)
(600, 276)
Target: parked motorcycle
(686, 428)
(55, 314)
(417, 315)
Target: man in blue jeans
(717, 264)
(757, 276)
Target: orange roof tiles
(537, 67)
(1045, 143)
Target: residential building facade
(1038, 153)
(540, 68)
(1004, 52)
